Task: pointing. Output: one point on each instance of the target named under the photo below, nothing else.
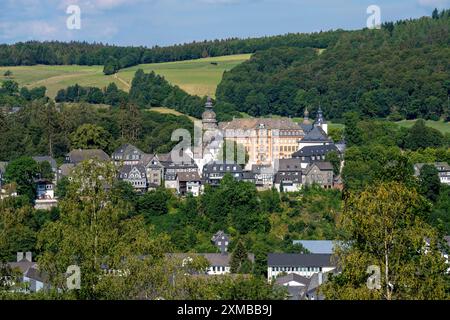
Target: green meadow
(199, 77)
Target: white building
(305, 265)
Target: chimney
(19, 256)
(29, 256)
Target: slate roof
(40, 159)
(125, 150)
(66, 169)
(216, 167)
(288, 177)
(322, 165)
(316, 135)
(128, 168)
(188, 176)
(294, 259)
(79, 155)
(254, 123)
(289, 165)
(310, 151)
(292, 277)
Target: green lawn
(199, 76)
(442, 126)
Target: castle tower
(306, 117)
(320, 121)
(209, 121)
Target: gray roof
(222, 167)
(23, 265)
(79, 155)
(322, 165)
(188, 176)
(248, 175)
(309, 151)
(294, 259)
(316, 135)
(126, 150)
(35, 274)
(40, 159)
(66, 169)
(128, 168)
(289, 165)
(317, 246)
(288, 177)
(292, 277)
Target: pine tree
(239, 262)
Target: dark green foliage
(46, 171)
(153, 203)
(440, 216)
(335, 160)
(239, 262)
(421, 136)
(110, 95)
(111, 66)
(430, 184)
(23, 171)
(62, 188)
(352, 133)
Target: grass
(199, 77)
(442, 126)
(164, 110)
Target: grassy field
(199, 77)
(164, 110)
(442, 126)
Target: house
(264, 176)
(298, 287)
(45, 195)
(221, 240)
(77, 156)
(305, 265)
(320, 173)
(35, 279)
(127, 154)
(289, 175)
(219, 264)
(309, 154)
(171, 181)
(64, 170)
(288, 181)
(45, 189)
(154, 169)
(214, 172)
(135, 175)
(248, 176)
(442, 167)
(189, 182)
(302, 288)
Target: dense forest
(401, 71)
(115, 57)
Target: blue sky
(165, 22)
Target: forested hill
(115, 57)
(400, 71)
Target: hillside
(401, 71)
(197, 77)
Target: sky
(166, 22)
